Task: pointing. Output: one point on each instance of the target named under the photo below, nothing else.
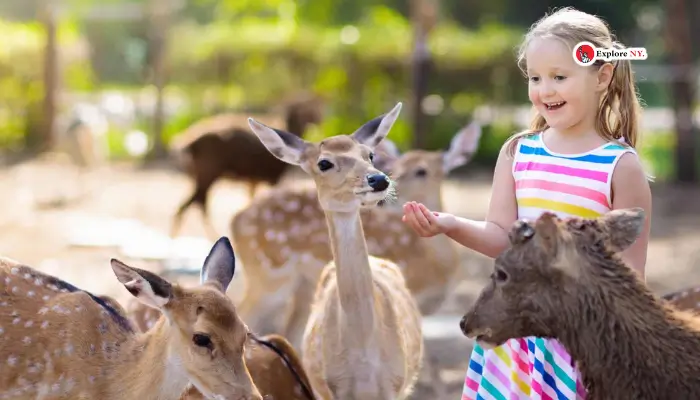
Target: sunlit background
(127, 77)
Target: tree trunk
(424, 15)
(160, 14)
(680, 50)
(48, 16)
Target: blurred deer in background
(57, 341)
(223, 146)
(363, 338)
(283, 242)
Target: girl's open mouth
(554, 106)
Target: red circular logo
(584, 54)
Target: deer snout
(378, 182)
(468, 325)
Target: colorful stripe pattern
(569, 185)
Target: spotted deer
(363, 338)
(565, 279)
(61, 342)
(274, 365)
(283, 242)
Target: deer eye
(202, 340)
(324, 165)
(500, 276)
(421, 172)
(371, 157)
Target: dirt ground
(46, 222)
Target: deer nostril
(378, 182)
(463, 324)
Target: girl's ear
(605, 76)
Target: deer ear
(623, 227)
(220, 264)
(547, 230)
(147, 287)
(374, 131)
(521, 232)
(462, 147)
(385, 155)
(283, 145)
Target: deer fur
(274, 378)
(363, 339)
(222, 146)
(565, 279)
(60, 342)
(685, 299)
(282, 238)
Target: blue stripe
(548, 379)
(476, 367)
(587, 158)
(613, 146)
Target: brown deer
(222, 146)
(283, 242)
(363, 338)
(274, 365)
(60, 342)
(565, 279)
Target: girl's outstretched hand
(425, 222)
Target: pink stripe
(516, 355)
(563, 188)
(471, 384)
(537, 388)
(493, 369)
(559, 169)
(559, 349)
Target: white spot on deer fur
(69, 348)
(404, 239)
(4, 304)
(281, 237)
(292, 205)
(91, 379)
(15, 289)
(14, 270)
(1, 330)
(269, 234)
(16, 321)
(28, 324)
(267, 214)
(27, 340)
(8, 280)
(28, 277)
(46, 298)
(57, 352)
(44, 324)
(12, 360)
(38, 281)
(78, 308)
(30, 293)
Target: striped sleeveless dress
(568, 185)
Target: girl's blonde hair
(618, 114)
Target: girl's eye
(559, 77)
(534, 79)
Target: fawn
(565, 279)
(363, 338)
(274, 365)
(282, 238)
(222, 147)
(57, 341)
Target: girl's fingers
(428, 215)
(421, 219)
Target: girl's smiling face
(563, 92)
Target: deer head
(540, 281)
(341, 166)
(205, 333)
(419, 174)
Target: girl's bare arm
(490, 237)
(630, 188)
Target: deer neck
(147, 368)
(623, 321)
(353, 273)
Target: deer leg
(199, 197)
(301, 308)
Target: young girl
(577, 159)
